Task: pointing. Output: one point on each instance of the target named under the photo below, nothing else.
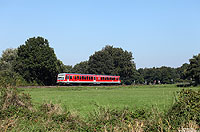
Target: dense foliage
(37, 62)
(8, 59)
(193, 69)
(186, 108)
(81, 67)
(113, 61)
(7, 74)
(162, 75)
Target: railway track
(67, 86)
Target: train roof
(85, 74)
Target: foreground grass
(17, 112)
(82, 99)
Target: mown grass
(82, 99)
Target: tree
(101, 63)
(155, 75)
(8, 59)
(81, 67)
(7, 74)
(168, 75)
(193, 70)
(37, 62)
(67, 69)
(113, 61)
(181, 71)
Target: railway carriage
(75, 78)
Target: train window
(70, 77)
(117, 78)
(78, 77)
(107, 78)
(92, 78)
(101, 78)
(75, 77)
(110, 78)
(60, 78)
(67, 77)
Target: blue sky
(157, 32)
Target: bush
(10, 78)
(185, 109)
(10, 97)
(106, 119)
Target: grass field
(82, 99)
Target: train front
(61, 78)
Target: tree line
(35, 62)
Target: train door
(94, 79)
(67, 78)
(78, 78)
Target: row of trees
(162, 75)
(110, 61)
(36, 62)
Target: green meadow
(84, 99)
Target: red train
(72, 78)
